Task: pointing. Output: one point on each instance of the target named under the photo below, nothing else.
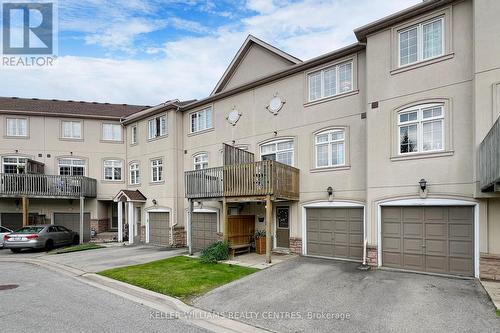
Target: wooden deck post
(225, 219)
(82, 203)
(190, 226)
(25, 211)
(269, 222)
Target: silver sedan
(40, 237)
(3, 231)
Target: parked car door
(66, 235)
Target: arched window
(279, 150)
(201, 161)
(330, 148)
(421, 129)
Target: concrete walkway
(493, 289)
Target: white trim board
(430, 202)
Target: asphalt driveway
(92, 261)
(287, 296)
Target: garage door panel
(159, 228)
(391, 244)
(460, 231)
(205, 225)
(72, 222)
(437, 230)
(435, 239)
(412, 246)
(435, 247)
(460, 248)
(335, 232)
(391, 229)
(412, 230)
(413, 261)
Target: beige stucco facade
(464, 80)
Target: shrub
(215, 252)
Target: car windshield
(29, 230)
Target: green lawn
(498, 312)
(76, 248)
(181, 277)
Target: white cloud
(190, 67)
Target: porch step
(281, 251)
(105, 237)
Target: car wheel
(76, 240)
(49, 245)
(15, 250)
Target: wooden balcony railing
(489, 159)
(46, 186)
(243, 180)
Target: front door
(283, 227)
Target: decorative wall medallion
(233, 116)
(275, 104)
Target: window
(330, 81)
(71, 129)
(112, 132)
(330, 148)
(134, 173)
(201, 161)
(157, 127)
(17, 127)
(156, 170)
(421, 129)
(280, 151)
(201, 120)
(113, 170)
(71, 167)
(133, 135)
(14, 164)
(421, 42)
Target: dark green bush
(215, 252)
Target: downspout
(176, 184)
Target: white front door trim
(331, 204)
(430, 202)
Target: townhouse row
(384, 151)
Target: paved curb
(492, 288)
(168, 306)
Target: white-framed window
(134, 173)
(157, 127)
(157, 170)
(330, 148)
(17, 127)
(112, 132)
(14, 164)
(280, 151)
(71, 167)
(71, 129)
(133, 135)
(421, 129)
(331, 81)
(200, 161)
(201, 120)
(113, 169)
(421, 42)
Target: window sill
(201, 132)
(112, 141)
(157, 183)
(327, 169)
(24, 137)
(331, 98)
(157, 138)
(71, 139)
(135, 185)
(417, 156)
(108, 181)
(422, 63)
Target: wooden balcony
(46, 186)
(489, 160)
(255, 179)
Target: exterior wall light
(423, 184)
(329, 190)
(154, 202)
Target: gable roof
(403, 15)
(149, 111)
(129, 195)
(240, 55)
(46, 107)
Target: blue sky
(149, 51)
